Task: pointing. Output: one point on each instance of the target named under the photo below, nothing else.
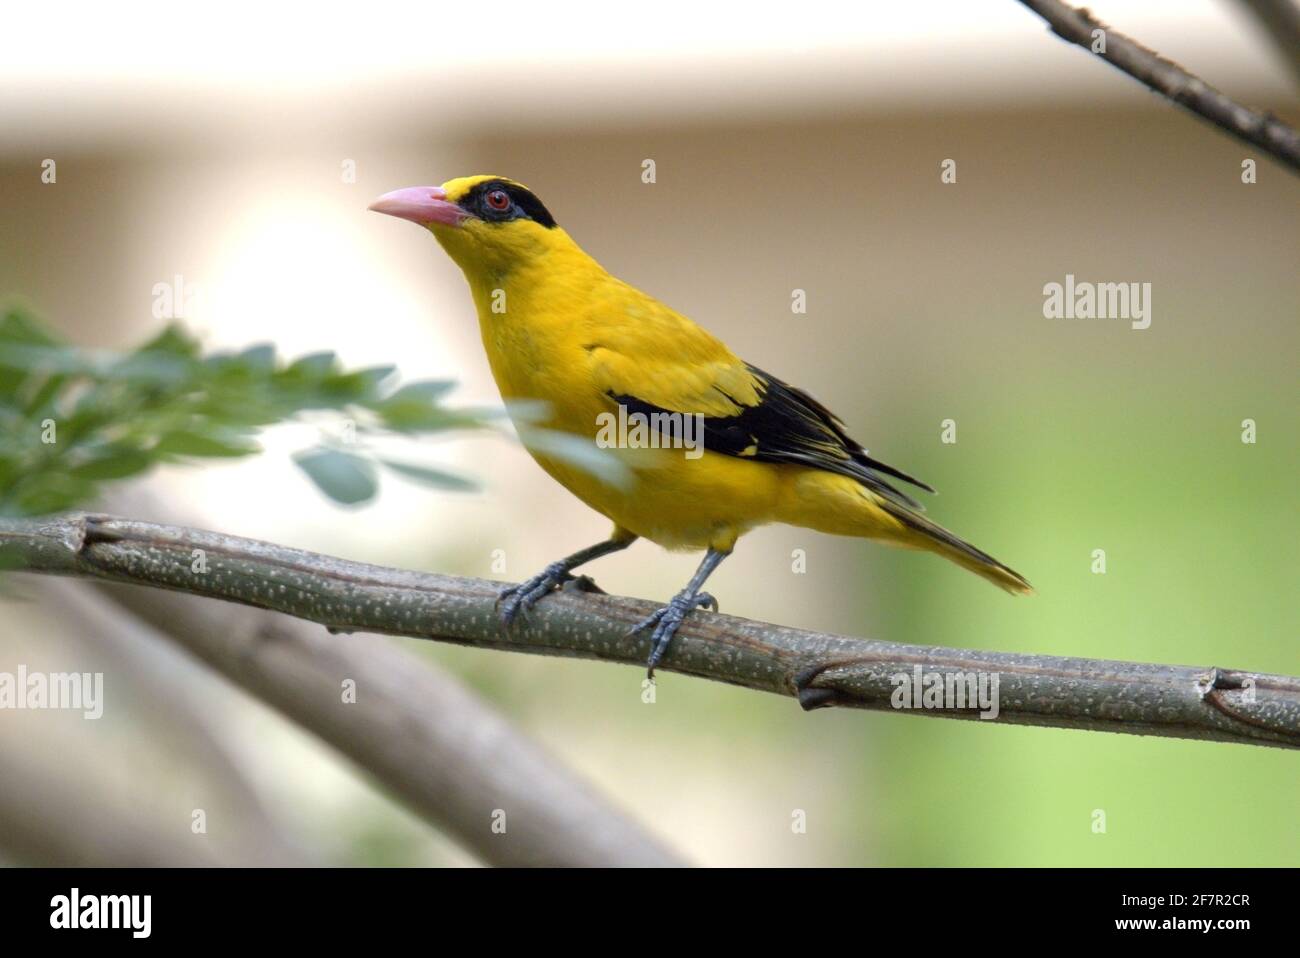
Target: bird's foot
(582, 583)
(520, 598)
(666, 621)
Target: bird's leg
(667, 619)
(520, 598)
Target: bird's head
(487, 224)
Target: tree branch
(1165, 77)
(819, 669)
(473, 760)
(159, 692)
(50, 818)
(435, 744)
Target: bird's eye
(498, 200)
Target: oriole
(558, 328)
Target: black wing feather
(788, 425)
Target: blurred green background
(924, 304)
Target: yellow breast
(542, 331)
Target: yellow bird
(558, 328)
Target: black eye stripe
(523, 203)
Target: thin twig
(1262, 130)
(819, 669)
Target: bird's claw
(666, 621)
(582, 583)
(520, 598)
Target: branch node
(814, 698)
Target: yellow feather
(558, 328)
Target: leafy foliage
(71, 420)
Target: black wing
(787, 425)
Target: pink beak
(425, 205)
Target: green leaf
(577, 451)
(38, 496)
(181, 442)
(45, 359)
(431, 477)
(312, 366)
(260, 357)
(528, 411)
(344, 477)
(360, 385)
(424, 390)
(150, 367)
(113, 464)
(41, 398)
(120, 413)
(173, 341)
(416, 417)
(19, 326)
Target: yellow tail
(842, 506)
(921, 533)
